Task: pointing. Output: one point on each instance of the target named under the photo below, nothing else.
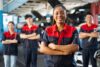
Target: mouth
(60, 19)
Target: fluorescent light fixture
(81, 9)
(72, 11)
(90, 1)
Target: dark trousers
(30, 58)
(88, 54)
(51, 63)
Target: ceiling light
(90, 1)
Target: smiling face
(10, 26)
(29, 20)
(59, 14)
(88, 19)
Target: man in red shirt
(30, 34)
(89, 35)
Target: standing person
(10, 41)
(89, 35)
(58, 43)
(30, 34)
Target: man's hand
(34, 37)
(38, 36)
(34, 34)
(83, 35)
(52, 46)
(41, 47)
(7, 40)
(46, 50)
(23, 36)
(94, 34)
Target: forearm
(46, 50)
(83, 35)
(34, 37)
(13, 41)
(49, 51)
(30, 35)
(94, 34)
(71, 48)
(23, 36)
(5, 42)
(10, 41)
(26, 36)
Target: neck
(11, 31)
(89, 24)
(60, 26)
(29, 25)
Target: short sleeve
(38, 31)
(22, 31)
(81, 30)
(76, 39)
(45, 37)
(18, 38)
(3, 37)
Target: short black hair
(59, 5)
(88, 13)
(27, 16)
(11, 22)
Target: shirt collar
(64, 29)
(14, 33)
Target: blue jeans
(10, 60)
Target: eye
(56, 13)
(62, 13)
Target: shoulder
(94, 25)
(24, 26)
(49, 28)
(35, 26)
(70, 28)
(83, 26)
(5, 33)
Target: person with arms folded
(88, 34)
(30, 34)
(10, 41)
(60, 41)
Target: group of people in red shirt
(58, 43)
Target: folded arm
(71, 48)
(9, 41)
(83, 35)
(94, 34)
(46, 50)
(30, 36)
(34, 37)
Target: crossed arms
(53, 49)
(83, 35)
(8, 41)
(32, 36)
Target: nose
(59, 15)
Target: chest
(29, 30)
(10, 36)
(60, 37)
